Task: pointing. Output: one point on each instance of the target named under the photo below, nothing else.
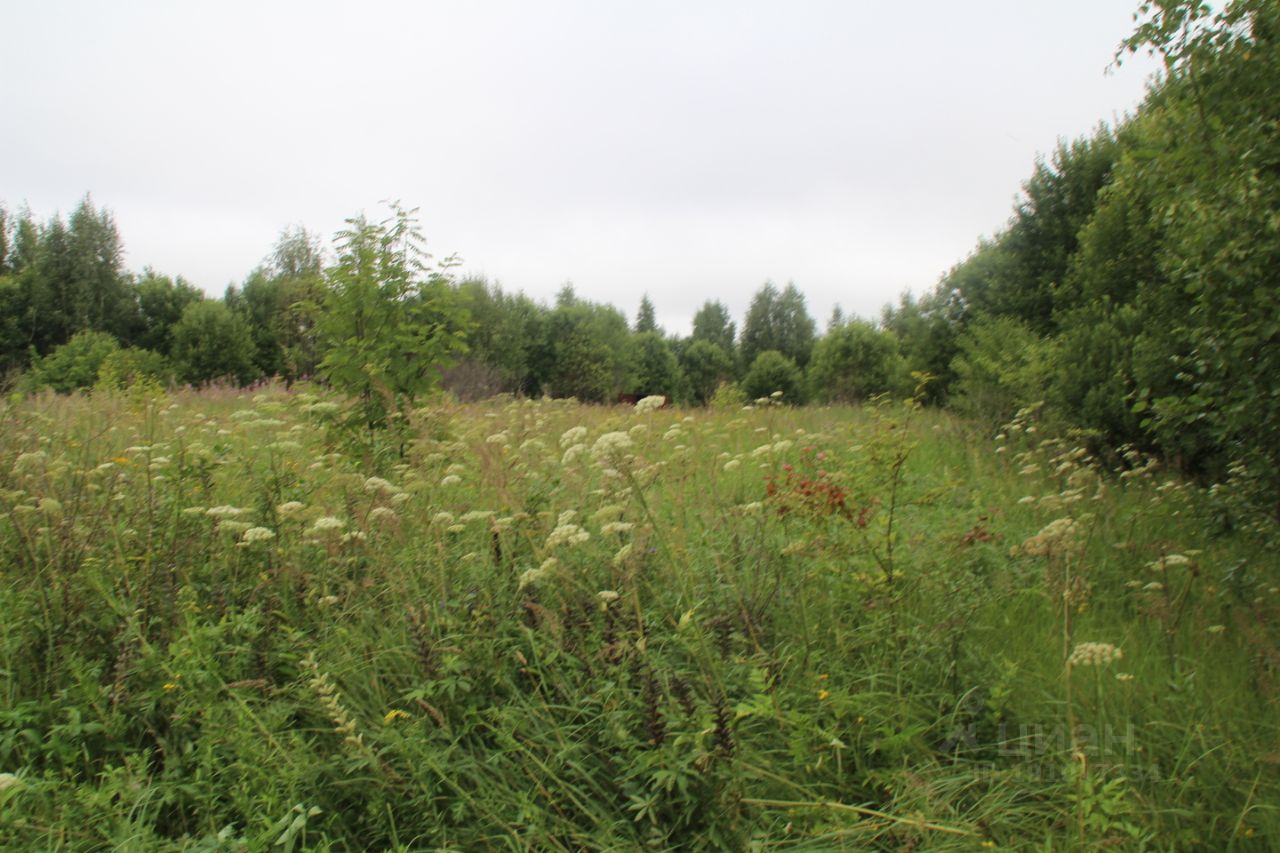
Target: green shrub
(131, 366)
(770, 372)
(73, 365)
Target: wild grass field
(557, 627)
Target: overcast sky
(690, 150)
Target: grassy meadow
(548, 626)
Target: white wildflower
(1094, 654)
(650, 403)
(1059, 535)
(572, 436)
(451, 480)
(610, 445)
(607, 513)
(257, 534)
(380, 486)
(573, 454)
(289, 508)
(1169, 561)
(225, 511)
(532, 576)
(326, 523)
(616, 527)
(567, 534)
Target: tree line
(70, 311)
(1132, 295)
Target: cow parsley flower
(257, 534)
(650, 404)
(567, 534)
(1094, 654)
(572, 436)
(611, 445)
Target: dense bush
(773, 372)
(73, 365)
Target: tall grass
(557, 627)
